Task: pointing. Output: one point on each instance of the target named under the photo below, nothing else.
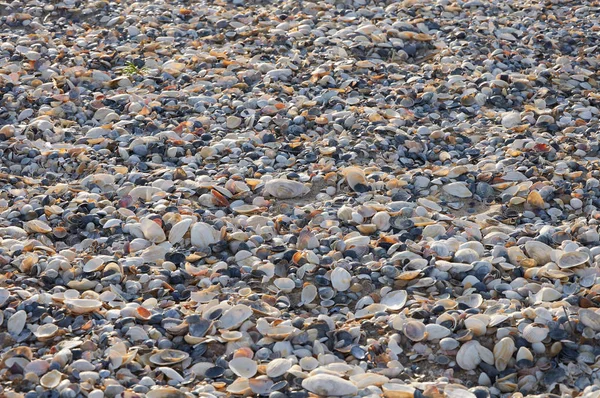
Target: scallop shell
(285, 189)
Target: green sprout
(131, 69)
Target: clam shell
(168, 357)
(51, 379)
(83, 306)
(395, 300)
(329, 385)
(243, 367)
(285, 189)
(535, 332)
(235, 316)
(573, 259)
(356, 179)
(503, 352)
(340, 279)
(278, 367)
(414, 330)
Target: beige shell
(83, 306)
(573, 259)
(285, 189)
(503, 352)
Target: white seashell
(539, 251)
(414, 330)
(433, 231)
(309, 293)
(381, 220)
(46, 331)
(503, 352)
(395, 300)
(179, 230)
(535, 332)
(171, 373)
(394, 390)
(16, 323)
(152, 231)
(329, 385)
(547, 294)
(308, 363)
(524, 354)
(166, 392)
(235, 316)
(51, 379)
(573, 259)
(38, 226)
(344, 213)
(286, 285)
(278, 367)
(458, 189)
(590, 319)
(83, 306)
(436, 332)
(243, 367)
(285, 189)
(364, 380)
(340, 279)
(467, 356)
(204, 235)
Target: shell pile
(295, 198)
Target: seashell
(590, 319)
(433, 231)
(285, 189)
(470, 300)
(436, 332)
(524, 354)
(539, 251)
(152, 231)
(356, 179)
(477, 324)
(179, 230)
(278, 367)
(46, 331)
(535, 332)
(309, 293)
(458, 189)
(165, 392)
(395, 300)
(468, 357)
(381, 220)
(16, 323)
(394, 390)
(232, 335)
(572, 259)
(503, 352)
(286, 285)
(547, 294)
(83, 306)
(243, 367)
(369, 311)
(367, 229)
(535, 200)
(168, 357)
(308, 363)
(340, 279)
(414, 330)
(38, 226)
(261, 386)
(364, 380)
(203, 235)
(235, 316)
(329, 385)
(51, 379)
